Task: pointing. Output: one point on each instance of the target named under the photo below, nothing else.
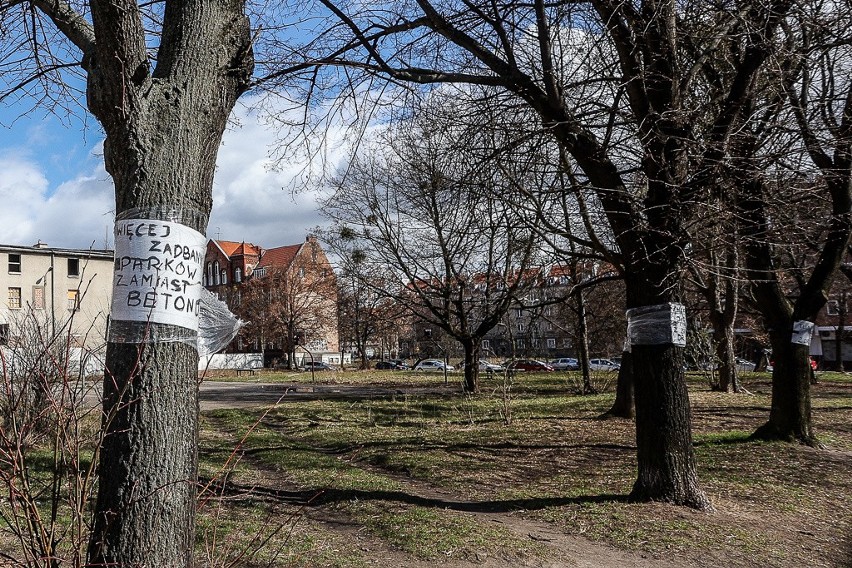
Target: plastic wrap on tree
(217, 325)
(661, 324)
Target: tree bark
(665, 457)
(723, 340)
(664, 429)
(583, 341)
(622, 407)
(163, 130)
(471, 365)
(790, 414)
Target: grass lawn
(452, 479)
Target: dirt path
(562, 550)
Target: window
(519, 344)
(38, 297)
(209, 274)
(486, 344)
(73, 267)
(551, 343)
(238, 275)
(15, 263)
(832, 308)
(14, 298)
(224, 277)
(216, 273)
(521, 327)
(301, 273)
(73, 300)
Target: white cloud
(251, 201)
(74, 215)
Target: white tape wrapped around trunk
(662, 324)
(803, 331)
(157, 293)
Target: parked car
(603, 365)
(565, 364)
(400, 364)
(771, 364)
(487, 366)
(744, 365)
(316, 366)
(389, 366)
(435, 365)
(529, 365)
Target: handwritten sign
(157, 275)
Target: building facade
(55, 294)
(287, 294)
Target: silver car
(603, 365)
(432, 365)
(565, 364)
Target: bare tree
(293, 306)
(797, 216)
(366, 313)
(529, 52)
(418, 214)
(162, 79)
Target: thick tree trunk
(471, 365)
(163, 131)
(666, 460)
(790, 414)
(622, 407)
(147, 473)
(664, 429)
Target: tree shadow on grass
(326, 496)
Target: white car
(432, 365)
(603, 365)
(490, 367)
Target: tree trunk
(583, 335)
(723, 340)
(790, 414)
(666, 460)
(147, 472)
(163, 131)
(471, 365)
(622, 407)
(839, 332)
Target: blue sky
(54, 188)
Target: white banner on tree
(158, 269)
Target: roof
(231, 248)
(279, 257)
(43, 249)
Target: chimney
(40, 245)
